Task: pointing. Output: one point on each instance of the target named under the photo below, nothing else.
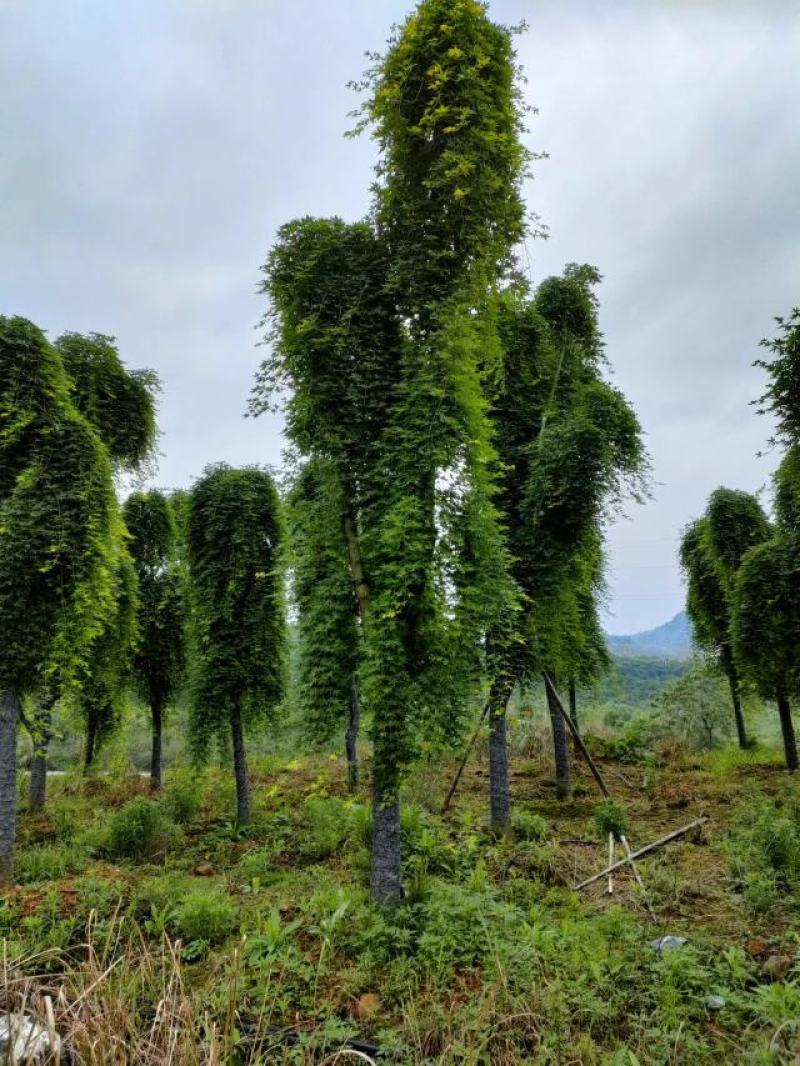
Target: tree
(235, 541)
(158, 658)
(766, 628)
(391, 326)
(327, 620)
(711, 552)
(58, 528)
(120, 405)
(569, 447)
(694, 708)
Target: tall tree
(58, 529)
(569, 447)
(711, 552)
(158, 659)
(394, 320)
(235, 541)
(766, 628)
(120, 405)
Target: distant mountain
(672, 640)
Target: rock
(367, 1006)
(715, 1002)
(25, 1041)
(777, 967)
(204, 869)
(755, 947)
(668, 943)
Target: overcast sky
(149, 149)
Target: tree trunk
(787, 728)
(499, 792)
(351, 737)
(9, 712)
(741, 731)
(41, 734)
(573, 713)
(156, 758)
(387, 887)
(89, 753)
(240, 768)
(560, 748)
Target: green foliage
(764, 852)
(118, 402)
(527, 825)
(235, 537)
(183, 795)
(569, 448)
(57, 518)
(610, 817)
(445, 107)
(327, 627)
(782, 398)
(160, 649)
(135, 829)
(207, 915)
(47, 862)
(766, 621)
(695, 708)
(327, 827)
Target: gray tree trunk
(89, 752)
(156, 757)
(9, 713)
(560, 749)
(387, 887)
(351, 737)
(499, 791)
(41, 736)
(787, 729)
(741, 731)
(240, 769)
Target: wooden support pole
(642, 851)
(467, 753)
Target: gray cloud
(149, 151)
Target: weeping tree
(120, 405)
(158, 658)
(766, 611)
(766, 628)
(711, 552)
(100, 701)
(58, 531)
(235, 544)
(327, 606)
(569, 447)
(392, 329)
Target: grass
(217, 946)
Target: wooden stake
(642, 851)
(610, 863)
(467, 753)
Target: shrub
(527, 825)
(207, 914)
(134, 829)
(327, 827)
(610, 818)
(764, 853)
(256, 867)
(183, 796)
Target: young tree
(158, 658)
(58, 528)
(235, 541)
